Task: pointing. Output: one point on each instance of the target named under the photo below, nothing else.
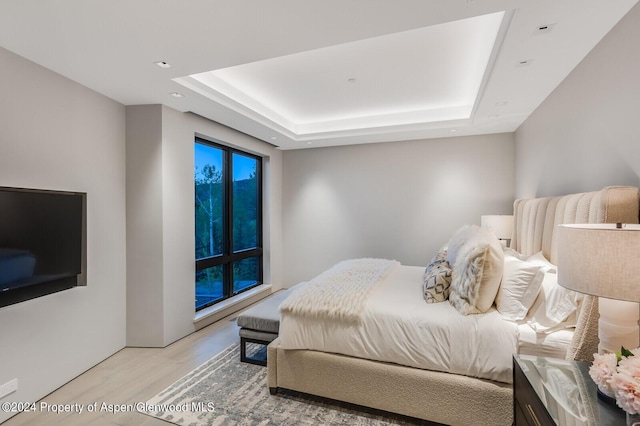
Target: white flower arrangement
(618, 375)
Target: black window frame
(228, 256)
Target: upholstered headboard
(535, 223)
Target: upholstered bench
(260, 324)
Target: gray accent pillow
(437, 279)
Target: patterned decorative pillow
(437, 279)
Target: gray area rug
(224, 391)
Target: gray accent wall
(400, 200)
(57, 134)
(585, 136)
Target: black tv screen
(42, 243)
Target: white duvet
(399, 326)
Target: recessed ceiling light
(453, 130)
(177, 95)
(163, 64)
(544, 29)
(351, 80)
(309, 143)
(273, 138)
(501, 103)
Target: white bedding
(406, 330)
(552, 345)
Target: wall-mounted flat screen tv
(42, 243)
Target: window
(228, 222)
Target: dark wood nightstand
(548, 391)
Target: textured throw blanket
(339, 293)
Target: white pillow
(477, 261)
(539, 259)
(555, 307)
(521, 283)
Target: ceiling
(303, 74)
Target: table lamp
(604, 260)
(500, 224)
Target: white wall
(145, 301)
(585, 136)
(160, 150)
(399, 200)
(56, 134)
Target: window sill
(231, 302)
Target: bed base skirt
(430, 395)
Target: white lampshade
(500, 224)
(600, 259)
(604, 260)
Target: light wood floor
(130, 376)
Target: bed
(451, 393)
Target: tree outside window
(228, 222)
